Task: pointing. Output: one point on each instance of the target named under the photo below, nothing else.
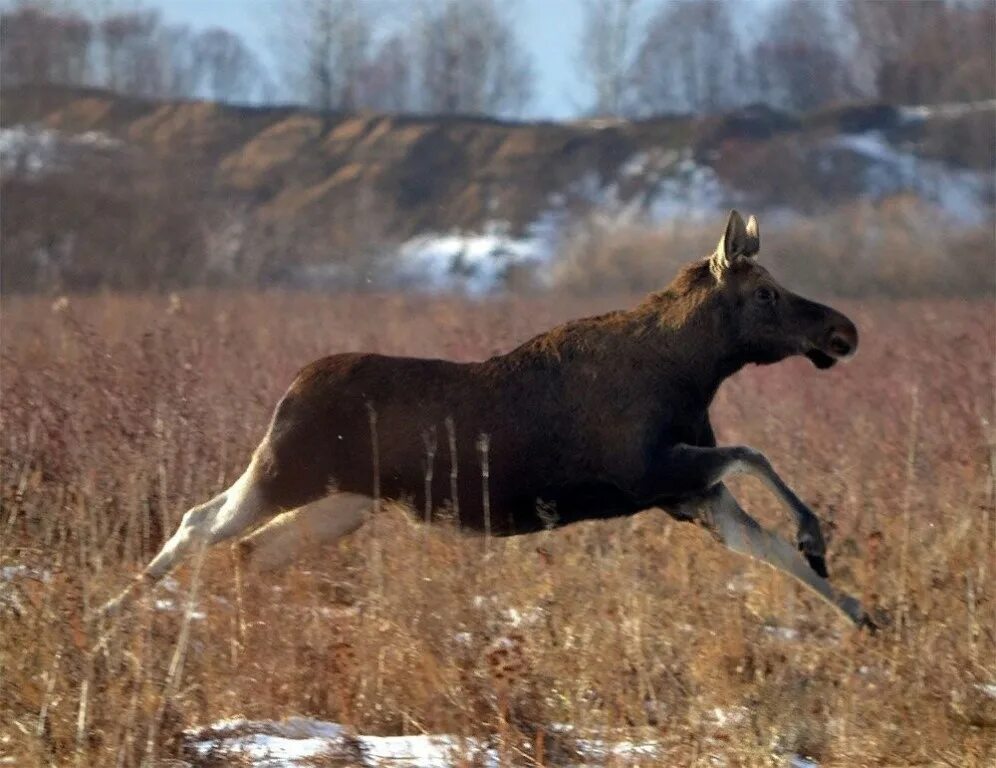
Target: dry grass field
(118, 413)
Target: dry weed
(119, 413)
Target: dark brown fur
(597, 418)
(580, 420)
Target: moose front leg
(719, 512)
(689, 469)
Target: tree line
(132, 52)
(635, 57)
(704, 56)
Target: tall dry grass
(119, 413)
(900, 248)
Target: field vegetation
(120, 412)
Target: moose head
(765, 321)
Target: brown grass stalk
(118, 415)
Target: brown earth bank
(200, 191)
(120, 412)
(438, 172)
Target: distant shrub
(897, 248)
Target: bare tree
(127, 58)
(324, 46)
(922, 52)
(606, 56)
(690, 59)
(798, 62)
(226, 68)
(469, 59)
(386, 82)
(441, 56)
(179, 67)
(144, 57)
(43, 45)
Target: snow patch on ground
(171, 606)
(963, 195)
(796, 761)
(476, 262)
(688, 191)
(298, 740)
(988, 689)
(788, 634)
(14, 572)
(656, 186)
(271, 744)
(472, 263)
(928, 111)
(34, 150)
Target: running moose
(597, 418)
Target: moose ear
(739, 241)
(753, 238)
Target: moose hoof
(874, 620)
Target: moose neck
(692, 324)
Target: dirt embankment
(436, 172)
(309, 187)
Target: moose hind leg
(742, 533)
(286, 537)
(232, 513)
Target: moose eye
(764, 295)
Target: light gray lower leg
(177, 546)
(242, 508)
(174, 548)
(726, 461)
(231, 513)
(741, 533)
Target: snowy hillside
(306, 199)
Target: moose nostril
(840, 345)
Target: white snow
(788, 634)
(962, 194)
(475, 262)
(988, 689)
(14, 572)
(727, 717)
(422, 751)
(165, 604)
(525, 618)
(298, 740)
(35, 150)
(797, 761)
(270, 744)
(596, 749)
(656, 186)
(925, 111)
(692, 192)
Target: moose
(597, 418)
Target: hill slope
(319, 186)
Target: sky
(548, 29)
